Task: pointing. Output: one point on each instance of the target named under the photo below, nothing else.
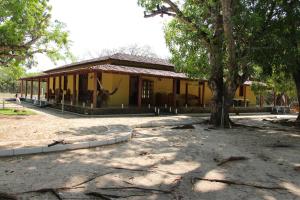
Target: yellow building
(125, 81)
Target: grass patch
(8, 111)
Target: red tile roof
(118, 57)
(138, 71)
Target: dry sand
(164, 163)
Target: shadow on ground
(163, 163)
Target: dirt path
(47, 125)
(166, 163)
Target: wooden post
(48, 88)
(174, 91)
(203, 93)
(95, 90)
(26, 88)
(245, 94)
(31, 89)
(274, 98)
(260, 103)
(39, 89)
(186, 93)
(59, 84)
(199, 93)
(74, 89)
(139, 91)
(21, 88)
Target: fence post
(3, 104)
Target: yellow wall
(90, 81)
(160, 85)
(250, 96)
(193, 87)
(70, 83)
(207, 94)
(51, 83)
(110, 82)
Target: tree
(26, 29)
(9, 78)
(215, 35)
(283, 38)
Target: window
(65, 82)
(241, 91)
(177, 86)
(147, 89)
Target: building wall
(160, 85)
(249, 95)
(207, 94)
(90, 81)
(110, 82)
(70, 84)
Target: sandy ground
(158, 163)
(48, 125)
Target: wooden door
(133, 91)
(83, 87)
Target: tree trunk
(219, 116)
(296, 76)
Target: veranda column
(274, 98)
(260, 101)
(139, 91)
(245, 95)
(21, 88)
(59, 84)
(203, 93)
(186, 93)
(199, 93)
(39, 89)
(48, 89)
(74, 89)
(26, 88)
(174, 91)
(95, 90)
(31, 89)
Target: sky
(95, 25)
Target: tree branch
(174, 11)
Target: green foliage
(26, 29)
(278, 49)
(188, 53)
(16, 112)
(9, 78)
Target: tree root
(102, 196)
(109, 196)
(232, 182)
(55, 191)
(264, 128)
(232, 158)
(136, 188)
(187, 126)
(88, 180)
(7, 196)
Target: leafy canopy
(26, 29)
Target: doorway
(83, 87)
(133, 91)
